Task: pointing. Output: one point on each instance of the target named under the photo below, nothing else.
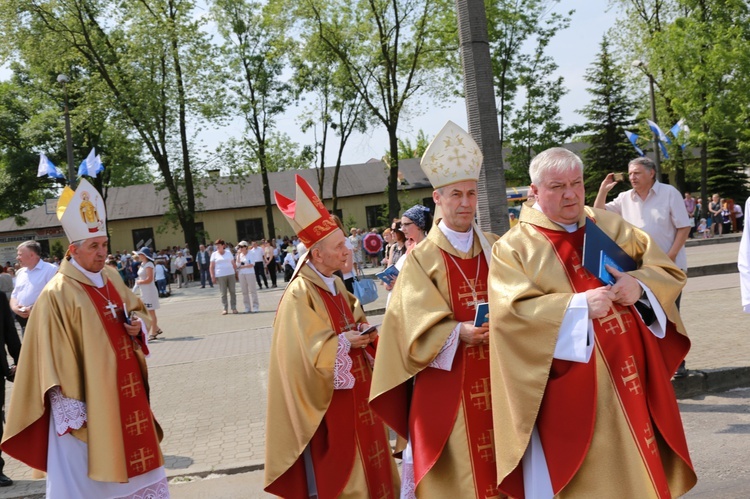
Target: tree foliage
(608, 115)
(385, 47)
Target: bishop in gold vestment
(322, 438)
(601, 419)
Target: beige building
(231, 209)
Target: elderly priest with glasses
(322, 439)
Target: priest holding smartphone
(431, 377)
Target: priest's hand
(627, 290)
(599, 301)
(134, 328)
(358, 340)
(473, 335)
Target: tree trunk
(481, 109)
(394, 206)
(186, 217)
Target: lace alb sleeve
(444, 358)
(69, 414)
(343, 379)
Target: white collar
(329, 281)
(568, 227)
(462, 241)
(95, 277)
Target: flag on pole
(46, 167)
(633, 138)
(680, 126)
(663, 150)
(655, 128)
(92, 165)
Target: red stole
(640, 367)
(347, 419)
(437, 393)
(139, 437)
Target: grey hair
(32, 245)
(553, 159)
(644, 162)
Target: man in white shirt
(179, 265)
(34, 274)
(656, 208)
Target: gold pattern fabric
(529, 294)
(417, 324)
(66, 345)
(300, 373)
(419, 318)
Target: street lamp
(63, 80)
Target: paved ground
(208, 376)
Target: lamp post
(657, 157)
(63, 80)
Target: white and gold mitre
(82, 212)
(451, 157)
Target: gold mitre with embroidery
(451, 157)
(82, 212)
(306, 214)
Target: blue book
(599, 250)
(388, 275)
(482, 315)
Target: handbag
(364, 289)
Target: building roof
(221, 193)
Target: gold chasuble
(608, 426)
(347, 442)
(73, 339)
(445, 414)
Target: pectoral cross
(112, 307)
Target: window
(338, 213)
(429, 203)
(376, 216)
(143, 237)
(250, 229)
(200, 233)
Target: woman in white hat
(147, 285)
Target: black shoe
(5, 481)
(681, 371)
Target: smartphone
(370, 329)
(619, 177)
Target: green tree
(384, 48)
(609, 113)
(336, 106)
(536, 125)
(406, 150)
(152, 58)
(256, 50)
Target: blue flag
(655, 128)
(680, 126)
(633, 138)
(92, 165)
(663, 150)
(46, 167)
